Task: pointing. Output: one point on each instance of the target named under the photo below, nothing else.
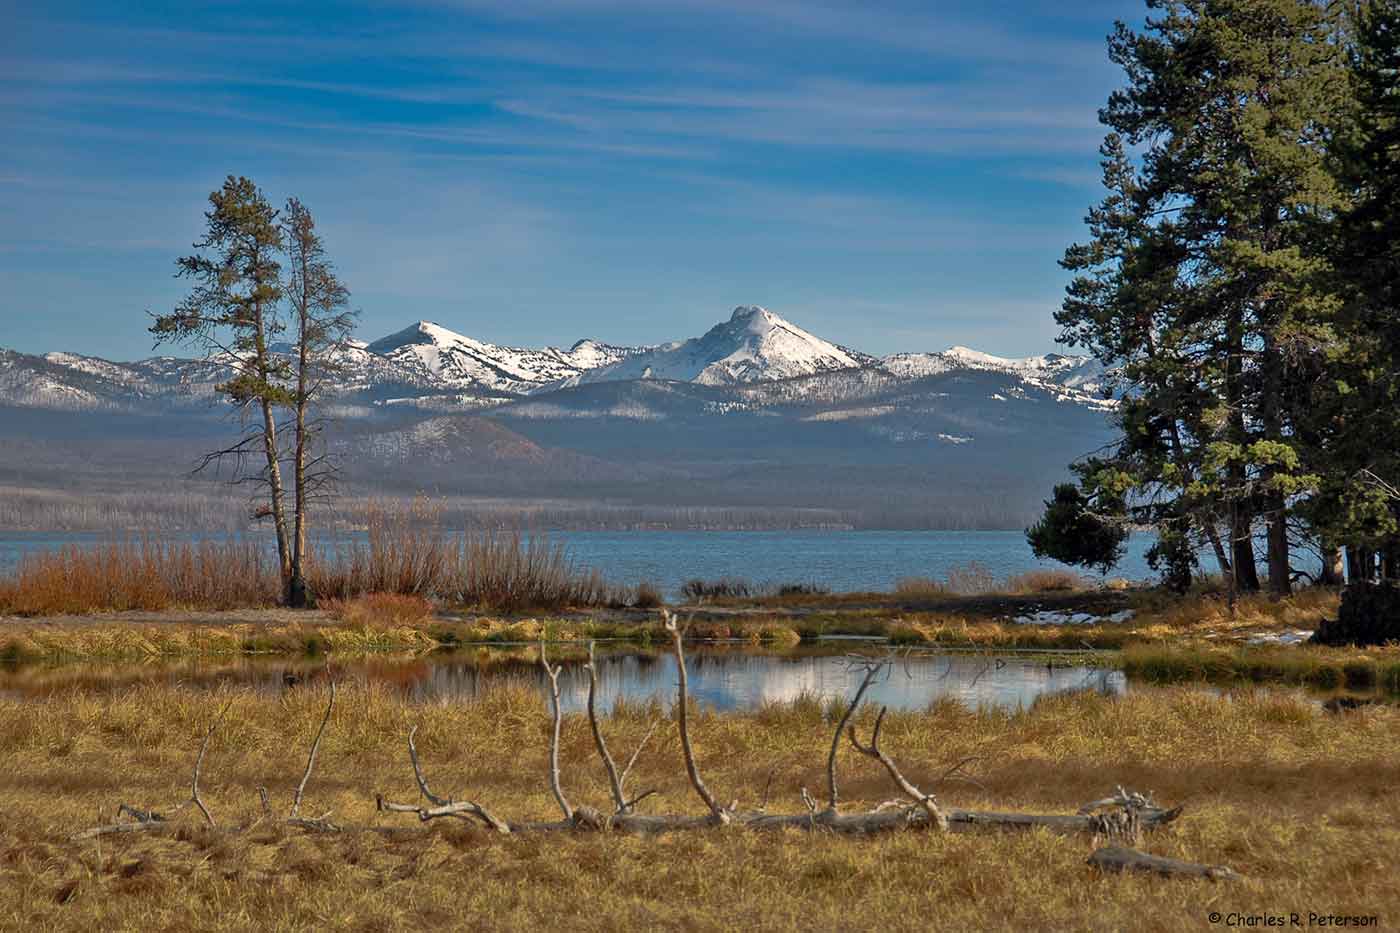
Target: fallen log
(1123, 859)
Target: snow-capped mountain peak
(753, 345)
(462, 362)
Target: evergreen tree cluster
(1242, 281)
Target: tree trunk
(1361, 563)
(1246, 578)
(1221, 558)
(1280, 583)
(274, 483)
(1275, 504)
(1242, 553)
(1390, 561)
(1333, 567)
(298, 594)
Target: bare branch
(553, 674)
(873, 750)
(872, 670)
(199, 763)
(718, 812)
(311, 758)
(614, 779)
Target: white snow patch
(1063, 617)
(1291, 637)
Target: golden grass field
(1301, 801)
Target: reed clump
(975, 579)
(404, 554)
(146, 574)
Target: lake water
(839, 560)
(720, 677)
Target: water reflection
(722, 678)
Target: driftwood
(153, 821)
(1121, 859)
(150, 820)
(1120, 818)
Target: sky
(891, 176)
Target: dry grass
(381, 610)
(1045, 581)
(406, 553)
(975, 579)
(1299, 800)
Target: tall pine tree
(1202, 282)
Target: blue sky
(892, 176)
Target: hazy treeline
(208, 507)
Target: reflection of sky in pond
(738, 682)
(723, 679)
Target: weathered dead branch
(617, 781)
(1122, 859)
(873, 750)
(148, 820)
(311, 758)
(557, 721)
(872, 670)
(677, 632)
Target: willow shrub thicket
(505, 572)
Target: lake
(842, 561)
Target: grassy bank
(1299, 800)
(1324, 668)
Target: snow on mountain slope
(753, 345)
(756, 356)
(1076, 378)
(453, 360)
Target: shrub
(698, 590)
(147, 575)
(1045, 581)
(973, 580)
(920, 588)
(382, 610)
(1369, 615)
(648, 596)
(794, 590)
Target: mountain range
(755, 414)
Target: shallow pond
(721, 677)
